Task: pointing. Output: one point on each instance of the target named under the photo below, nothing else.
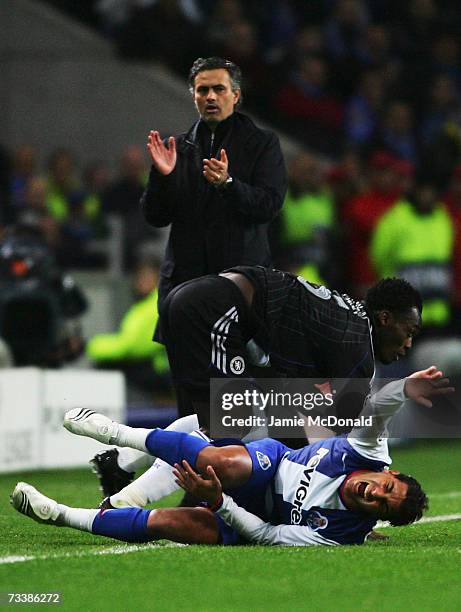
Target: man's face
(213, 95)
(376, 493)
(395, 333)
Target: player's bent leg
(85, 422)
(232, 464)
(115, 468)
(184, 525)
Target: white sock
(134, 437)
(78, 518)
(157, 482)
(131, 460)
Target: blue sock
(174, 446)
(126, 524)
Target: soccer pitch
(418, 568)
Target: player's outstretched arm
(421, 386)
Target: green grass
(417, 569)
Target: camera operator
(40, 307)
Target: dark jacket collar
(222, 129)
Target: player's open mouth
(360, 489)
(212, 109)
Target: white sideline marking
(111, 550)
(426, 519)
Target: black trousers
(205, 326)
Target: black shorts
(205, 323)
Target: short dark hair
(412, 507)
(393, 294)
(215, 63)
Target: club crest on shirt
(237, 365)
(263, 460)
(316, 521)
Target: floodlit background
(366, 99)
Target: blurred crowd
(338, 74)
(72, 203)
(369, 89)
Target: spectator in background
(62, 184)
(24, 167)
(305, 225)
(305, 106)
(405, 171)
(440, 131)
(442, 106)
(77, 233)
(122, 199)
(396, 133)
(360, 216)
(307, 41)
(224, 15)
(416, 27)
(446, 57)
(128, 186)
(219, 185)
(242, 44)
(279, 24)
(344, 29)
(346, 181)
(96, 181)
(363, 110)
(131, 349)
(161, 29)
(414, 240)
(35, 212)
(376, 50)
(452, 200)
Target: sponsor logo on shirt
(303, 488)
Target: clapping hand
(163, 158)
(215, 170)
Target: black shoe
(106, 505)
(111, 477)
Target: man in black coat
(219, 185)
